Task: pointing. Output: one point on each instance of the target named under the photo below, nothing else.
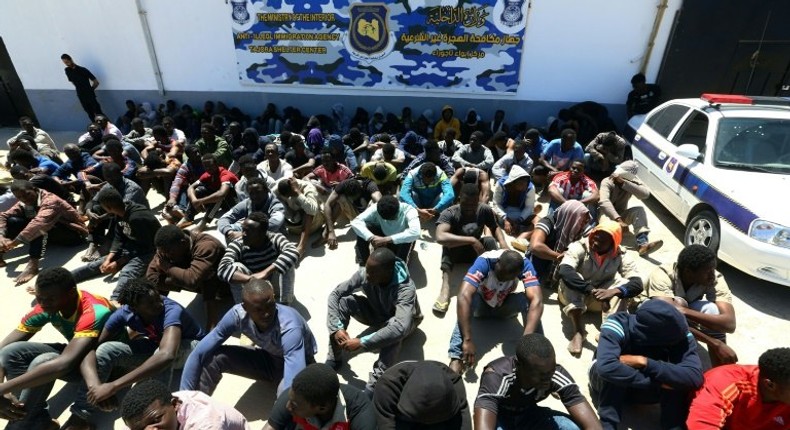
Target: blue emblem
(240, 15)
(511, 16)
(368, 31)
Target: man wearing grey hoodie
(389, 304)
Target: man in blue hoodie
(428, 190)
(389, 305)
(647, 357)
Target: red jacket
(729, 399)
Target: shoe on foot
(440, 306)
(91, 254)
(650, 247)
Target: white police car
(721, 165)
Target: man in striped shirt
(512, 387)
(260, 254)
(574, 185)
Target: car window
(753, 144)
(665, 120)
(693, 131)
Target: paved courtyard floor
(761, 308)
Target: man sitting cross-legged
(489, 289)
(188, 261)
(303, 214)
(461, 230)
(389, 305)
(32, 367)
(167, 333)
(150, 404)
(511, 388)
(282, 343)
(212, 191)
(36, 218)
(260, 199)
(389, 223)
(316, 400)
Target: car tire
(703, 229)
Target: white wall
(574, 49)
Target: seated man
(91, 141)
(744, 397)
(249, 170)
(260, 200)
(350, 198)
(535, 145)
(150, 403)
(700, 293)
(260, 254)
(448, 120)
(489, 289)
(99, 220)
(431, 154)
(132, 246)
(384, 174)
(169, 335)
(428, 190)
(114, 154)
(36, 219)
(460, 230)
(574, 185)
(643, 98)
(329, 174)
(391, 154)
(389, 306)
(450, 144)
(36, 163)
(33, 367)
(108, 128)
(44, 143)
(210, 143)
(188, 261)
(558, 155)
(299, 157)
(212, 191)
(162, 157)
(604, 153)
(76, 161)
(474, 154)
(518, 156)
(316, 400)
(389, 223)
(273, 166)
(511, 388)
(552, 236)
(646, 357)
(475, 176)
(139, 136)
(283, 344)
(596, 273)
(189, 172)
(616, 191)
(514, 203)
(302, 215)
(421, 395)
(42, 182)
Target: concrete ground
(761, 310)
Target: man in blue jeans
(32, 367)
(511, 388)
(488, 289)
(133, 245)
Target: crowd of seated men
(522, 210)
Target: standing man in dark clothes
(421, 395)
(647, 357)
(511, 388)
(133, 245)
(316, 400)
(85, 84)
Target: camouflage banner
(471, 46)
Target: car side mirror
(689, 150)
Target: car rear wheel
(703, 229)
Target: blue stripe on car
(728, 209)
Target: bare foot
(576, 344)
(91, 254)
(30, 272)
(457, 366)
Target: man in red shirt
(329, 174)
(212, 191)
(745, 396)
(573, 185)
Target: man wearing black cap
(421, 395)
(647, 357)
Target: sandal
(441, 307)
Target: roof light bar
(727, 98)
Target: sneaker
(647, 248)
(373, 377)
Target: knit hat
(428, 396)
(627, 170)
(658, 323)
